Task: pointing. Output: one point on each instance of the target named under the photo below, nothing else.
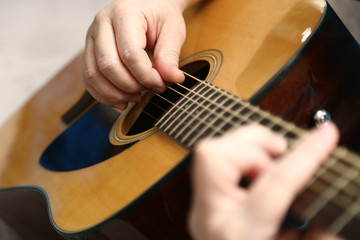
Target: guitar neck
(207, 111)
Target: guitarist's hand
(116, 65)
(223, 210)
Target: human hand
(223, 210)
(116, 66)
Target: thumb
(292, 172)
(167, 51)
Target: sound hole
(157, 105)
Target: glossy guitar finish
(143, 192)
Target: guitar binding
(138, 121)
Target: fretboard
(207, 110)
(331, 197)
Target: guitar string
(251, 107)
(255, 109)
(234, 114)
(228, 110)
(351, 213)
(261, 111)
(348, 181)
(339, 167)
(210, 126)
(221, 106)
(340, 160)
(331, 199)
(191, 114)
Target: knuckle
(99, 18)
(172, 54)
(128, 56)
(106, 64)
(90, 75)
(133, 88)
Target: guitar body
(290, 57)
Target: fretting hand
(223, 210)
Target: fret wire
(217, 129)
(223, 123)
(349, 213)
(251, 107)
(294, 128)
(339, 152)
(261, 113)
(350, 175)
(316, 188)
(264, 116)
(218, 105)
(184, 116)
(327, 195)
(162, 123)
(194, 102)
(289, 127)
(178, 109)
(237, 99)
(210, 123)
(346, 208)
(230, 121)
(348, 217)
(324, 169)
(193, 119)
(323, 199)
(174, 105)
(351, 179)
(331, 161)
(277, 120)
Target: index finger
(131, 42)
(282, 183)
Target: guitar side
(93, 202)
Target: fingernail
(159, 89)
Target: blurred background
(39, 37)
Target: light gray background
(37, 38)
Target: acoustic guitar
(76, 169)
